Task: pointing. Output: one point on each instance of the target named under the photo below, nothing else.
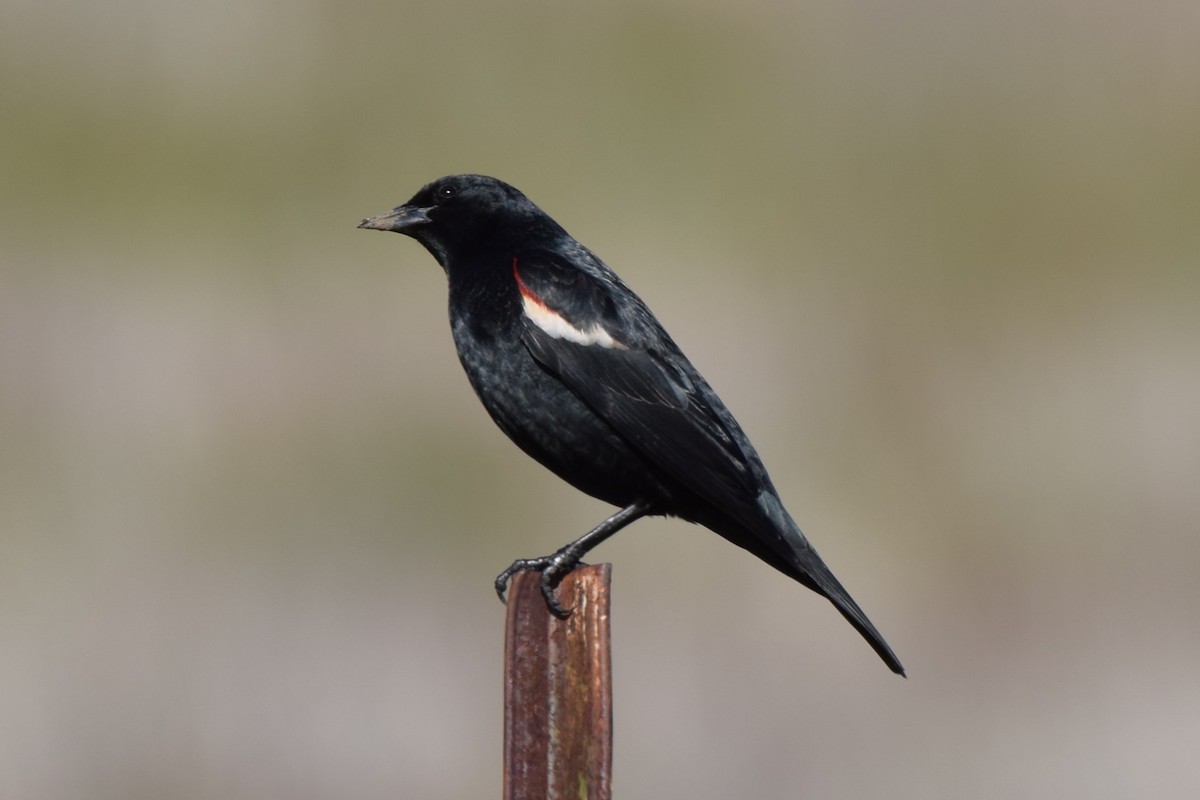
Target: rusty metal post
(558, 690)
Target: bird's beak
(400, 219)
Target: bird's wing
(602, 342)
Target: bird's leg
(555, 566)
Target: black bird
(571, 364)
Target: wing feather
(645, 388)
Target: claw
(553, 568)
(549, 581)
(502, 583)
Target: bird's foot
(553, 567)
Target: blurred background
(941, 259)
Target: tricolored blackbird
(571, 364)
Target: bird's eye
(446, 192)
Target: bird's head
(458, 214)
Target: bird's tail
(817, 576)
(803, 564)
